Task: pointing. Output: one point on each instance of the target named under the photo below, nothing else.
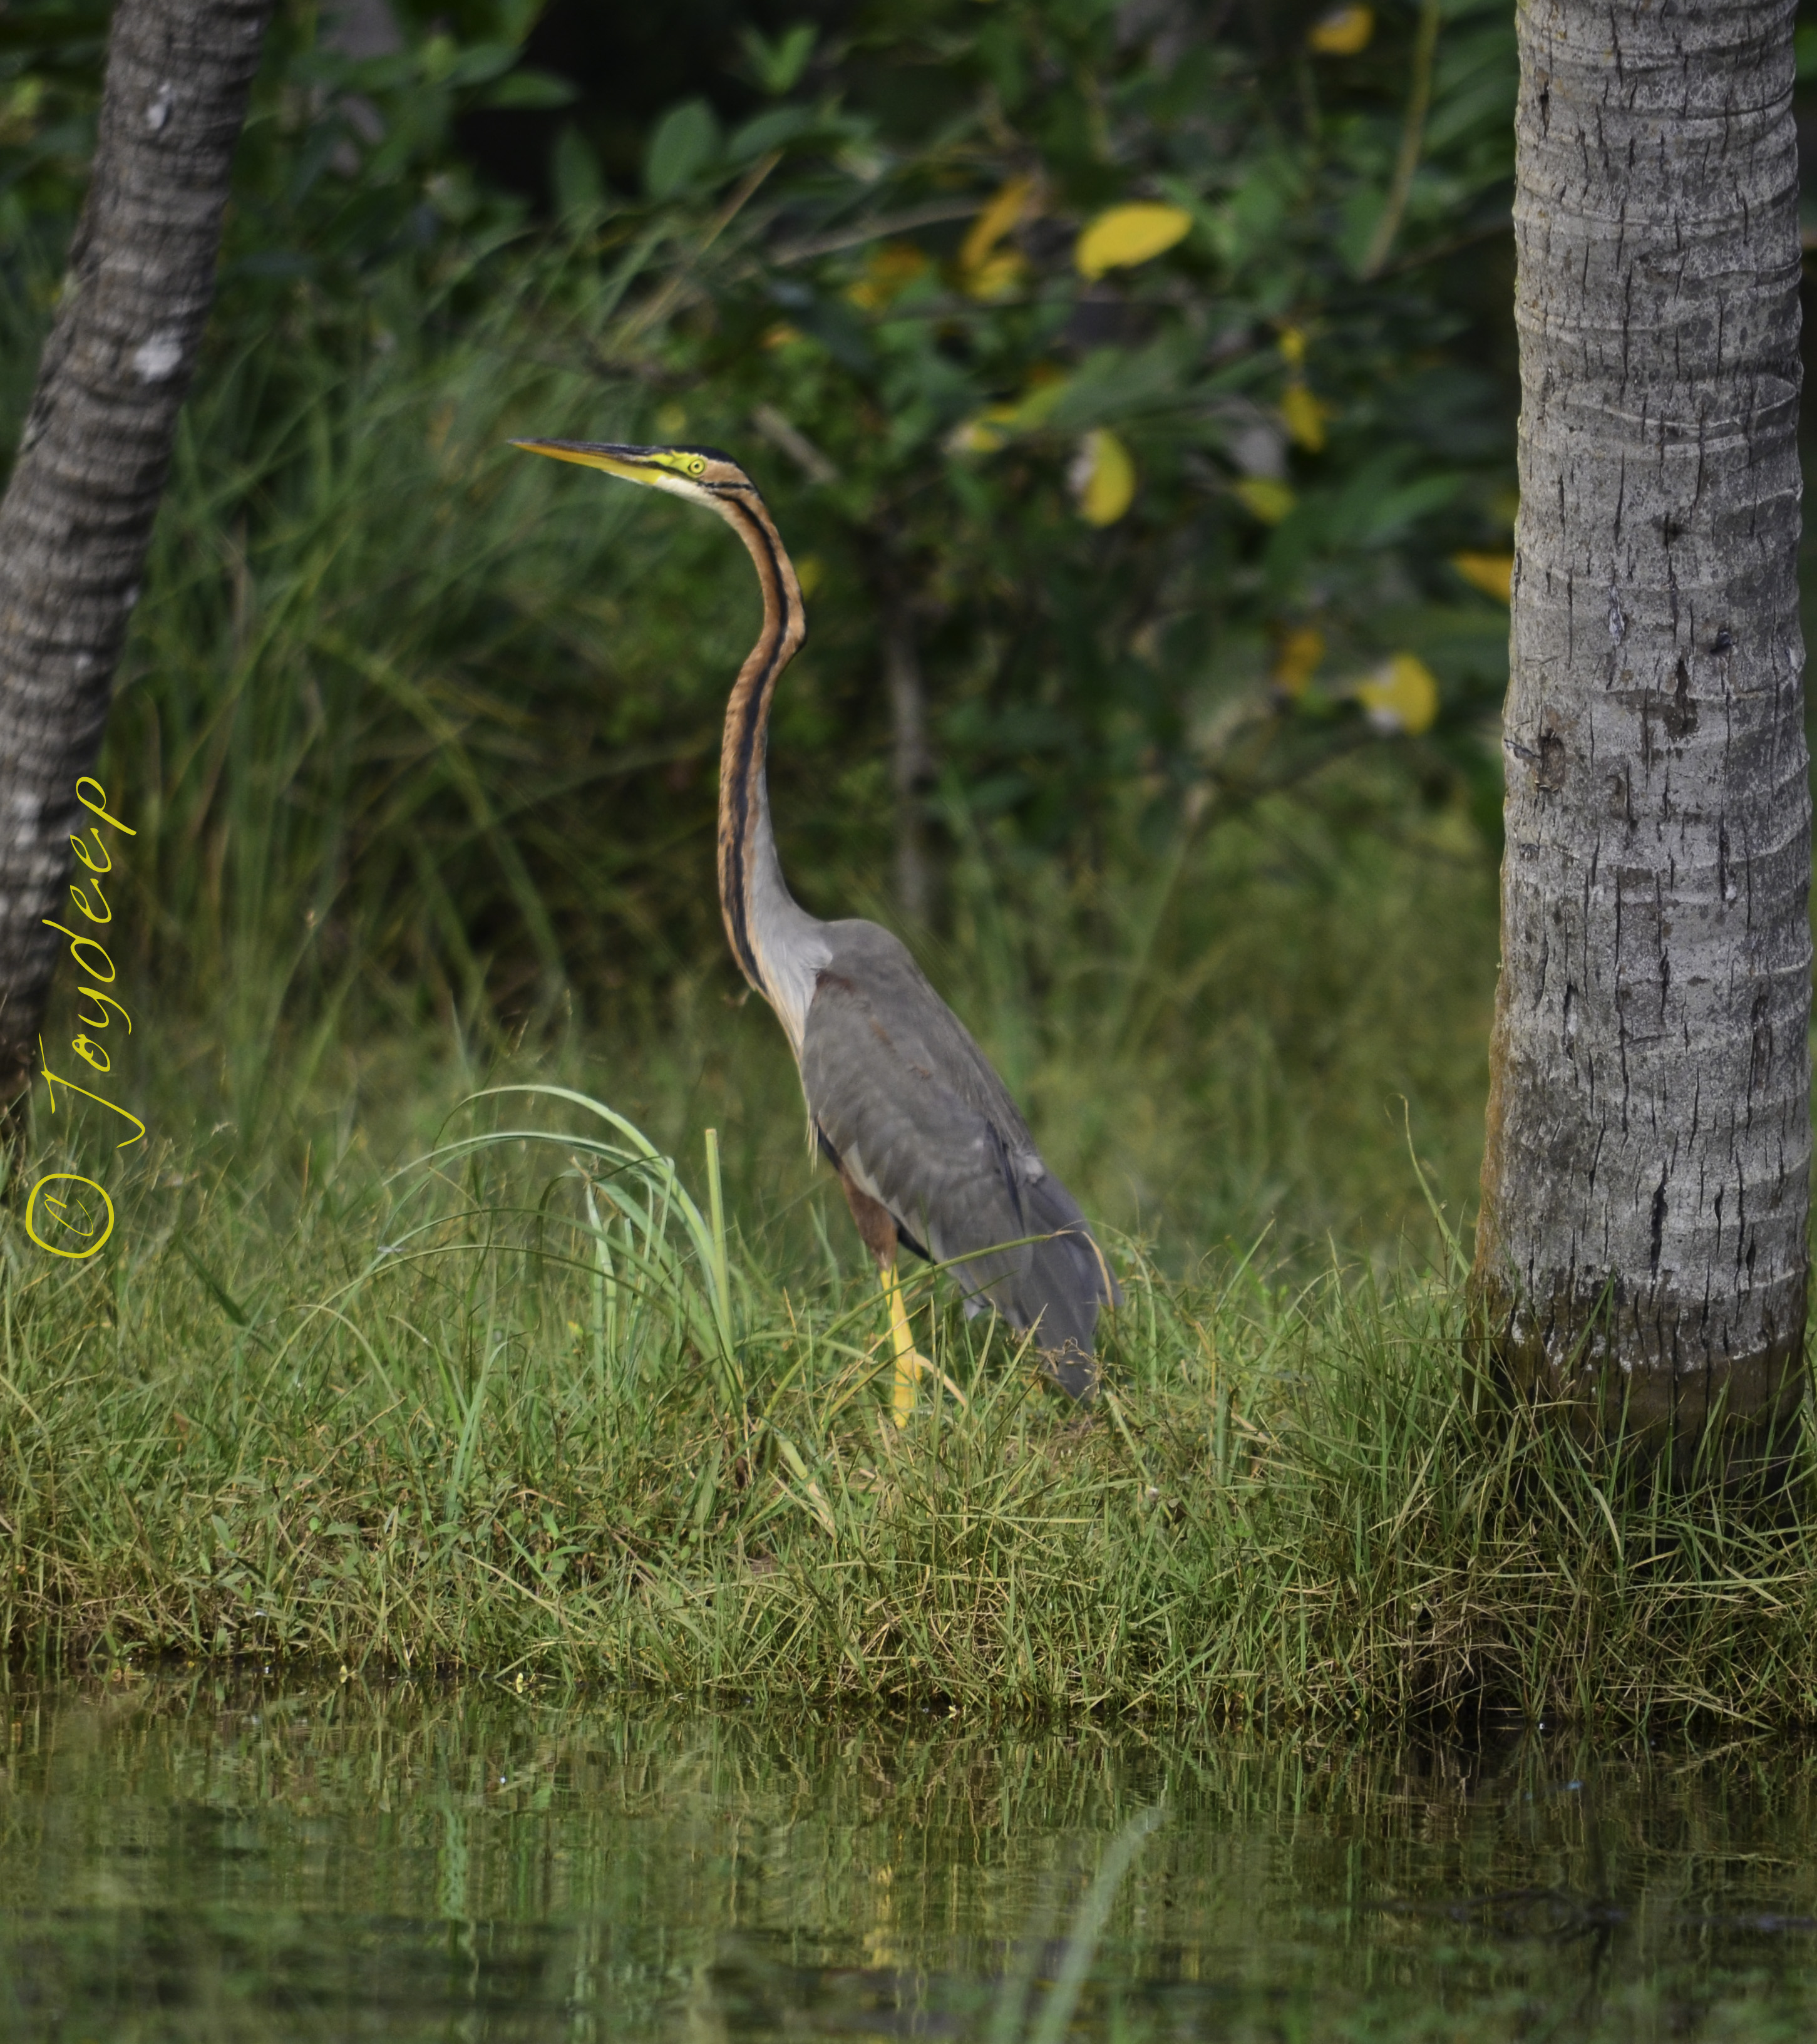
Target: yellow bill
(635, 464)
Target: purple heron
(927, 1144)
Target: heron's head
(701, 473)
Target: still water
(204, 1859)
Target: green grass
(523, 1406)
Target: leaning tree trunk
(77, 513)
(1643, 1244)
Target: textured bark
(1643, 1246)
(79, 509)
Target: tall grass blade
(1088, 1926)
(1010, 2008)
(644, 1187)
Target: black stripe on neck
(750, 733)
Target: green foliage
(347, 164)
(362, 643)
(686, 145)
(898, 304)
(50, 68)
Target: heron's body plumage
(932, 1149)
(908, 1105)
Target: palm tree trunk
(1643, 1244)
(77, 511)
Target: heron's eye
(697, 466)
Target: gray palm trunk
(79, 508)
(1642, 1242)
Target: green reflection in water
(203, 1861)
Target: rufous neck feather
(765, 927)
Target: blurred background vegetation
(1157, 566)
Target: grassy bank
(524, 1405)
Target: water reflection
(204, 1860)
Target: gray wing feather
(911, 1105)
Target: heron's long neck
(772, 937)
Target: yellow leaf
(1493, 573)
(1046, 390)
(810, 572)
(889, 270)
(1129, 234)
(985, 431)
(1342, 32)
(997, 276)
(1103, 478)
(19, 109)
(1265, 498)
(1297, 661)
(780, 335)
(1400, 695)
(1305, 417)
(977, 435)
(1293, 346)
(998, 424)
(995, 222)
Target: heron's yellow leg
(908, 1365)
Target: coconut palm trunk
(1643, 1246)
(77, 511)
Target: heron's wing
(912, 1107)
